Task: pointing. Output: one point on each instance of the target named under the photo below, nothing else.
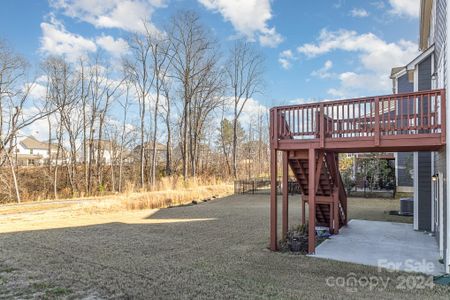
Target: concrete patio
(389, 245)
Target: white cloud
(359, 13)
(361, 84)
(285, 59)
(128, 15)
(407, 8)
(287, 54)
(336, 93)
(302, 101)
(323, 72)
(285, 63)
(116, 47)
(270, 38)
(56, 40)
(249, 18)
(378, 4)
(38, 91)
(251, 108)
(376, 58)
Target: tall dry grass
(161, 199)
(156, 199)
(169, 191)
(36, 184)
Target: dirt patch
(296, 240)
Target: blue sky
(314, 50)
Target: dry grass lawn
(215, 249)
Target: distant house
(161, 151)
(108, 151)
(31, 151)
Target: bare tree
(125, 107)
(14, 98)
(62, 95)
(245, 75)
(111, 92)
(208, 98)
(166, 90)
(139, 71)
(161, 62)
(85, 88)
(194, 55)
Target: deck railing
(412, 113)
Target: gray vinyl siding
(403, 84)
(424, 190)
(424, 77)
(424, 158)
(404, 159)
(440, 29)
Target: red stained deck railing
(399, 114)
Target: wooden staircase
(331, 199)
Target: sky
(314, 50)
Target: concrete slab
(394, 246)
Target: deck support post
(285, 209)
(303, 211)
(322, 125)
(377, 121)
(336, 222)
(312, 201)
(273, 200)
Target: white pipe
(447, 154)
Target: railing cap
(360, 99)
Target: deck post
(312, 201)
(273, 200)
(336, 223)
(322, 126)
(377, 121)
(285, 209)
(303, 211)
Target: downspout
(447, 152)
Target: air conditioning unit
(406, 206)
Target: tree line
(174, 90)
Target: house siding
(404, 159)
(424, 77)
(424, 190)
(424, 158)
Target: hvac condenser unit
(406, 206)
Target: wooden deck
(309, 134)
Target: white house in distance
(30, 151)
(108, 151)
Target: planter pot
(295, 245)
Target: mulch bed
(296, 241)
